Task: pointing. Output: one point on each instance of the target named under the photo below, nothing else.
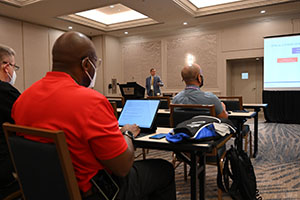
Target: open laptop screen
(140, 112)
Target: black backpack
(238, 168)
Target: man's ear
(5, 68)
(84, 64)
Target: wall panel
(36, 53)
(202, 47)
(139, 58)
(11, 35)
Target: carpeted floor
(277, 165)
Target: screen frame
(278, 88)
(155, 113)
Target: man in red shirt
(62, 101)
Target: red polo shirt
(92, 132)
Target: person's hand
(133, 128)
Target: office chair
(44, 170)
(182, 112)
(235, 103)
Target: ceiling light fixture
(100, 15)
(185, 23)
(206, 3)
(262, 11)
(126, 33)
(112, 6)
(70, 27)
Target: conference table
(239, 116)
(197, 169)
(257, 109)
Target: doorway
(245, 78)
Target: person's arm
(114, 151)
(121, 164)
(159, 82)
(147, 86)
(224, 113)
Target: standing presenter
(153, 83)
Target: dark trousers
(151, 179)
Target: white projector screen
(282, 62)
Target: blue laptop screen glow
(140, 112)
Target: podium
(132, 90)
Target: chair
(235, 103)
(182, 112)
(164, 101)
(119, 100)
(114, 106)
(44, 170)
(13, 196)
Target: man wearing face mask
(8, 95)
(192, 94)
(62, 101)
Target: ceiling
(168, 15)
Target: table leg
(193, 176)
(202, 163)
(256, 133)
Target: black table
(195, 150)
(257, 108)
(240, 118)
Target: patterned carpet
(277, 165)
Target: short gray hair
(6, 51)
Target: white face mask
(93, 80)
(12, 78)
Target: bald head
(191, 74)
(71, 48)
(70, 53)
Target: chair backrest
(182, 112)
(164, 101)
(232, 102)
(44, 170)
(119, 100)
(114, 106)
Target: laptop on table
(142, 113)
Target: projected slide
(282, 63)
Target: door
(245, 79)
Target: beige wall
(33, 45)
(130, 58)
(111, 62)
(211, 47)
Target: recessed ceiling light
(109, 16)
(70, 27)
(262, 11)
(206, 3)
(112, 6)
(125, 32)
(185, 23)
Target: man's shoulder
(6, 87)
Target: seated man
(8, 95)
(62, 101)
(192, 94)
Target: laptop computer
(140, 112)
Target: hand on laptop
(133, 128)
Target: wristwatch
(128, 134)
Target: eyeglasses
(98, 62)
(16, 68)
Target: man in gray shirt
(192, 94)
